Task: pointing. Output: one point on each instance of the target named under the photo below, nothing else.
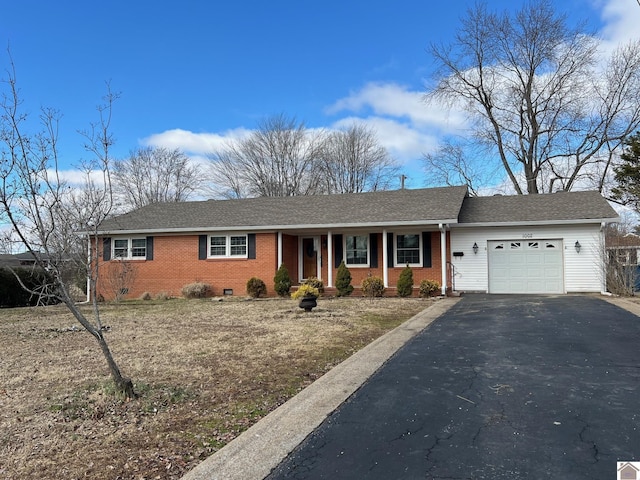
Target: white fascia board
(539, 223)
(273, 228)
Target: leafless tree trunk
(154, 175)
(46, 215)
(536, 94)
(353, 161)
(279, 159)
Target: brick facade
(176, 263)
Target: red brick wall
(175, 263)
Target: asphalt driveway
(499, 387)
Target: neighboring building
(503, 244)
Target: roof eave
(576, 221)
(262, 228)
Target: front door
(309, 258)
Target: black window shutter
(202, 247)
(106, 249)
(373, 250)
(426, 249)
(337, 247)
(251, 245)
(149, 248)
(389, 249)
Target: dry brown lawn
(205, 371)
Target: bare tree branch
(535, 92)
(45, 214)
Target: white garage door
(525, 266)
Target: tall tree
(154, 175)
(46, 215)
(353, 161)
(537, 95)
(278, 159)
(627, 174)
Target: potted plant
(307, 295)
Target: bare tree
(278, 159)
(450, 165)
(353, 161)
(46, 215)
(154, 175)
(535, 93)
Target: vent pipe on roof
(402, 179)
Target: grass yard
(205, 372)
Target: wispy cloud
(193, 143)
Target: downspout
(385, 263)
(603, 257)
(329, 259)
(443, 256)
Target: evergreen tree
(343, 281)
(627, 174)
(405, 282)
(282, 281)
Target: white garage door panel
(525, 266)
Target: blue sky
(193, 73)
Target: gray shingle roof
(394, 207)
(553, 207)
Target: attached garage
(525, 266)
(530, 244)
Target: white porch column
(385, 263)
(279, 249)
(443, 256)
(329, 259)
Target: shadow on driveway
(499, 387)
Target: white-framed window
(228, 246)
(130, 248)
(356, 250)
(408, 250)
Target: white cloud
(621, 19)
(399, 102)
(193, 143)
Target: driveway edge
(629, 306)
(256, 452)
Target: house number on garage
(527, 235)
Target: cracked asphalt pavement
(499, 387)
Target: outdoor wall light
(578, 246)
(475, 247)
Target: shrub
(196, 290)
(256, 287)
(343, 281)
(162, 296)
(315, 282)
(373, 287)
(405, 282)
(306, 290)
(145, 296)
(429, 288)
(282, 281)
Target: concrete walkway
(255, 453)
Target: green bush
(315, 282)
(405, 282)
(282, 281)
(256, 287)
(429, 288)
(197, 290)
(373, 287)
(343, 281)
